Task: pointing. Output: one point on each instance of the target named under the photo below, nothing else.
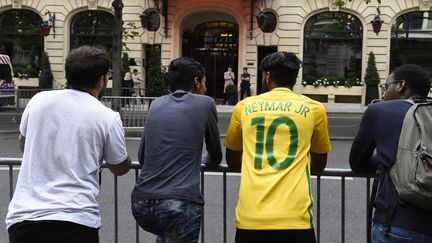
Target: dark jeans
(51, 231)
(245, 88)
(275, 236)
(397, 234)
(171, 220)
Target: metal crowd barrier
(132, 108)
(13, 105)
(340, 173)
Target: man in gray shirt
(166, 200)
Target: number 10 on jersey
(259, 122)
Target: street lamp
(377, 22)
(48, 24)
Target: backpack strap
(390, 211)
(371, 205)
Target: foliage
(25, 72)
(125, 64)
(45, 77)
(231, 89)
(129, 34)
(334, 81)
(341, 3)
(155, 85)
(372, 76)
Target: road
(342, 127)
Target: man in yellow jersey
(277, 138)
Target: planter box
(30, 82)
(331, 94)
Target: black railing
(12, 163)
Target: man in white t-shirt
(65, 135)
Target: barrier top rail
(223, 168)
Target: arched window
(411, 40)
(22, 40)
(333, 48)
(94, 28)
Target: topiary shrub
(372, 76)
(45, 77)
(371, 80)
(155, 85)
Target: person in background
(245, 84)
(166, 199)
(379, 131)
(127, 88)
(277, 139)
(65, 135)
(229, 78)
(137, 80)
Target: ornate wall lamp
(48, 24)
(377, 22)
(150, 18)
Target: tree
(45, 77)
(371, 80)
(117, 46)
(341, 3)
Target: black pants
(275, 236)
(51, 231)
(245, 88)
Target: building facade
(334, 43)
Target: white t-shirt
(68, 133)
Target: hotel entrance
(215, 45)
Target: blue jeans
(396, 235)
(171, 220)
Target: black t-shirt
(245, 75)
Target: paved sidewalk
(330, 107)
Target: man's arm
(363, 146)
(318, 162)
(21, 141)
(212, 139)
(233, 158)
(122, 168)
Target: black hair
(417, 79)
(85, 65)
(182, 71)
(283, 67)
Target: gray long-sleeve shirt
(171, 147)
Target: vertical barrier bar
(369, 214)
(202, 216)
(10, 182)
(343, 211)
(318, 208)
(224, 207)
(136, 223)
(115, 210)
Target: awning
(4, 59)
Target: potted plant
(371, 80)
(231, 93)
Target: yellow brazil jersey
(276, 130)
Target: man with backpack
(384, 129)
